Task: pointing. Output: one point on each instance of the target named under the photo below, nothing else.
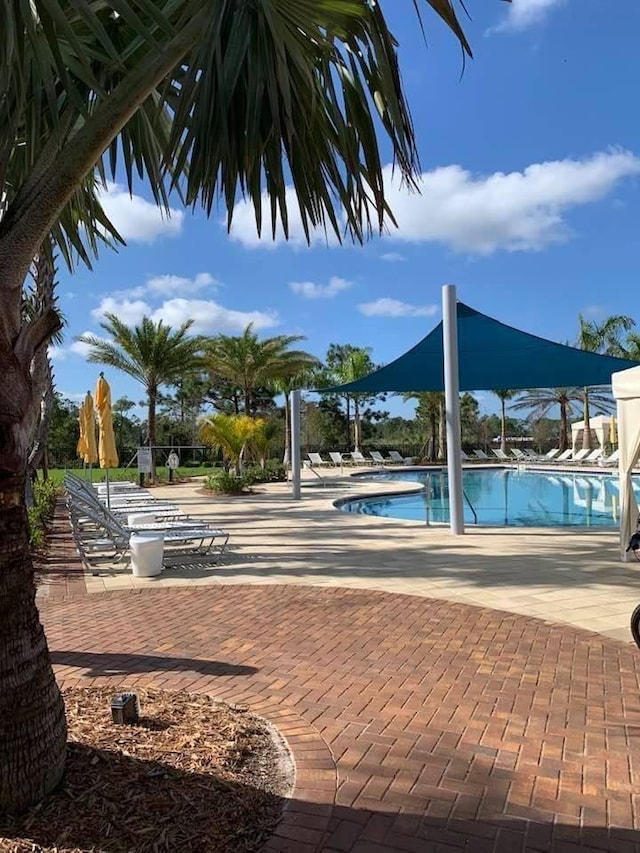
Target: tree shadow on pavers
(115, 803)
(98, 664)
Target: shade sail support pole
(294, 405)
(452, 408)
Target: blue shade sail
(492, 356)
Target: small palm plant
(231, 435)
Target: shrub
(274, 472)
(226, 483)
(44, 500)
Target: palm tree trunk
(564, 427)
(586, 436)
(151, 422)
(433, 438)
(247, 401)
(32, 721)
(503, 428)
(356, 425)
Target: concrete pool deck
(559, 575)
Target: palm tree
(251, 363)
(503, 395)
(603, 338)
(152, 353)
(167, 90)
(285, 385)
(542, 400)
(230, 434)
(357, 364)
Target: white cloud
(594, 311)
(57, 353)
(209, 317)
(167, 285)
(480, 214)
(129, 311)
(392, 257)
(525, 13)
(310, 290)
(136, 219)
(386, 307)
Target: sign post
(144, 463)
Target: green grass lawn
(115, 474)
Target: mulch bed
(192, 775)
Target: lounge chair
(519, 455)
(581, 455)
(502, 456)
(359, 459)
(565, 456)
(398, 457)
(552, 453)
(592, 457)
(465, 457)
(379, 459)
(97, 529)
(317, 460)
(338, 458)
(482, 456)
(612, 459)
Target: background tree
(73, 80)
(152, 353)
(503, 395)
(430, 413)
(251, 363)
(541, 401)
(605, 338)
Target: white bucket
(146, 554)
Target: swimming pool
(502, 497)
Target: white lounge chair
(338, 459)
(612, 459)
(519, 455)
(482, 456)
(317, 460)
(465, 457)
(359, 459)
(379, 459)
(592, 457)
(552, 453)
(565, 456)
(581, 455)
(502, 456)
(398, 457)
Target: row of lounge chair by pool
(356, 458)
(103, 527)
(584, 457)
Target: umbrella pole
(106, 474)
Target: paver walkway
(416, 724)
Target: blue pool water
(503, 497)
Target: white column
(294, 405)
(452, 405)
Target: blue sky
(530, 204)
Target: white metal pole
(452, 405)
(294, 402)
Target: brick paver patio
(416, 724)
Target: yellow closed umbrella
(106, 440)
(613, 432)
(91, 449)
(81, 447)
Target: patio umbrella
(91, 450)
(107, 442)
(81, 447)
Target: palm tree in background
(285, 385)
(215, 97)
(356, 365)
(604, 338)
(540, 401)
(153, 354)
(503, 395)
(431, 411)
(251, 363)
